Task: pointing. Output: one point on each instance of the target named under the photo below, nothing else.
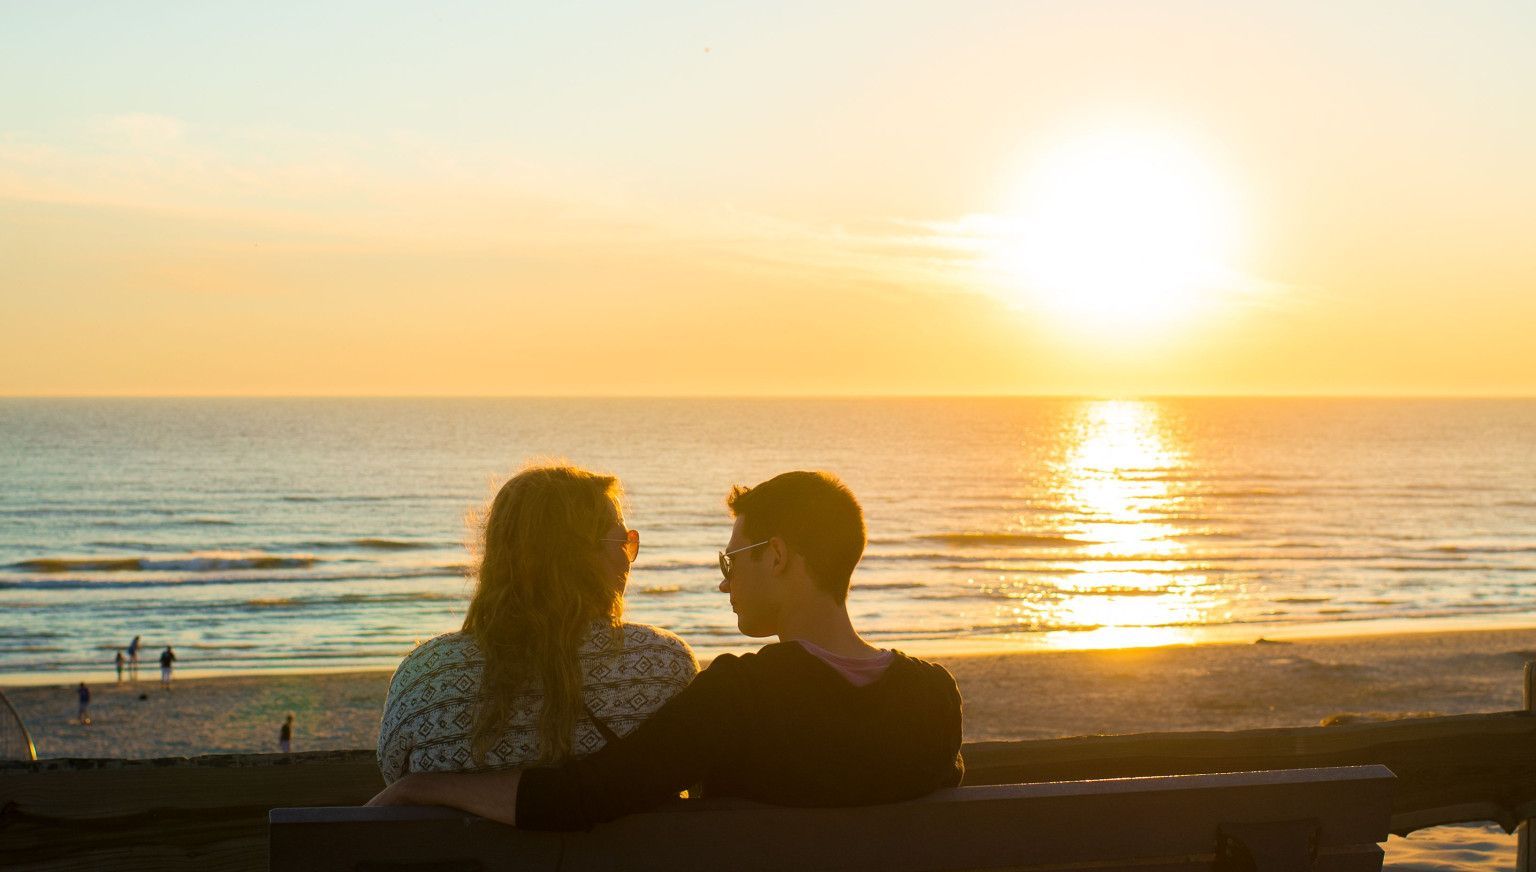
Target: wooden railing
(209, 813)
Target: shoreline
(941, 650)
(1009, 695)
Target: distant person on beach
(167, 657)
(544, 670)
(820, 718)
(84, 694)
(120, 661)
(285, 735)
(133, 659)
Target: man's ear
(778, 553)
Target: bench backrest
(1325, 819)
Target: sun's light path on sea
(1116, 479)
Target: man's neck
(826, 625)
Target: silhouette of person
(167, 657)
(133, 659)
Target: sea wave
(366, 544)
(1047, 591)
(151, 581)
(350, 599)
(358, 498)
(136, 524)
(132, 545)
(1427, 559)
(373, 543)
(53, 565)
(1028, 539)
(1117, 590)
(1249, 493)
(1483, 548)
(677, 565)
(1056, 568)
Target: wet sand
(1300, 682)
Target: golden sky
(799, 198)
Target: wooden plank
(202, 783)
(340, 839)
(1468, 767)
(1158, 822)
(1050, 824)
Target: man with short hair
(820, 718)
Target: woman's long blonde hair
(543, 582)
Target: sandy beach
(1299, 682)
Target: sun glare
(1121, 228)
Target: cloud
(407, 191)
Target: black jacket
(779, 726)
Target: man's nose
(725, 585)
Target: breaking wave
(55, 565)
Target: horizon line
(789, 396)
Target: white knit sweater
(435, 691)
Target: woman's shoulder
(643, 650)
(645, 635)
(457, 643)
(449, 650)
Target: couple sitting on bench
(548, 712)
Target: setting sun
(1131, 229)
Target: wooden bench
(1328, 819)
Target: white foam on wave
(190, 563)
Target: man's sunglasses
(631, 543)
(725, 557)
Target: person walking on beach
(820, 718)
(120, 661)
(133, 659)
(167, 657)
(544, 669)
(84, 694)
(285, 735)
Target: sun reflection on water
(1115, 478)
(1115, 485)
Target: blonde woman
(544, 670)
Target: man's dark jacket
(780, 726)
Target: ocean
(313, 534)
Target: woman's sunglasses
(631, 543)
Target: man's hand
(491, 795)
